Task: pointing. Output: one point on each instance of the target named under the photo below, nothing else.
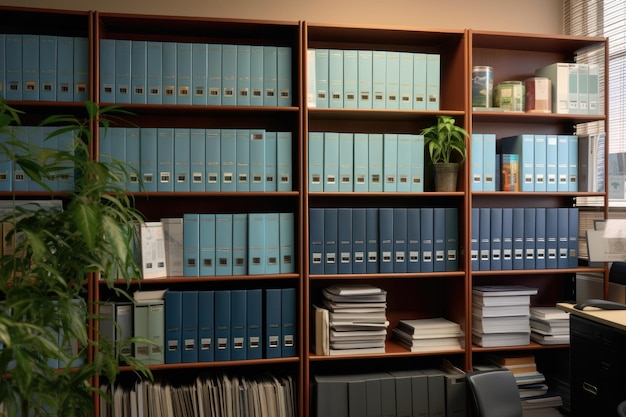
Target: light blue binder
(169, 61)
(191, 244)
(138, 71)
(184, 54)
(197, 165)
(154, 72)
(214, 80)
(229, 75)
(47, 67)
(335, 78)
(182, 143)
(213, 160)
(223, 244)
(30, 67)
(284, 77)
(206, 241)
(243, 159)
(240, 244)
(199, 73)
(346, 162)
(270, 76)
(256, 243)
(165, 159)
(243, 75)
(122, 70)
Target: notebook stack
(433, 334)
(549, 325)
(357, 318)
(500, 315)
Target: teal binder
(184, 54)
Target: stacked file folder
(500, 315)
(422, 335)
(356, 318)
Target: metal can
(482, 86)
(510, 96)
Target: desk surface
(613, 318)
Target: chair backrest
(494, 393)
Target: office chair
(494, 393)
(621, 409)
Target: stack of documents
(500, 315)
(434, 334)
(549, 325)
(357, 318)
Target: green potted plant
(57, 254)
(446, 146)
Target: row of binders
(222, 244)
(153, 72)
(217, 395)
(419, 392)
(203, 325)
(373, 79)
(528, 162)
(44, 67)
(197, 160)
(365, 162)
(524, 238)
(12, 175)
(383, 240)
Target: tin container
(482, 86)
(510, 96)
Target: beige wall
(533, 16)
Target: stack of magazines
(356, 317)
(433, 334)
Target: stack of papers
(433, 334)
(549, 325)
(355, 316)
(500, 315)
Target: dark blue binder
(238, 326)
(173, 323)
(206, 321)
(190, 326)
(288, 322)
(495, 263)
(507, 238)
(254, 321)
(529, 237)
(540, 238)
(222, 325)
(385, 238)
(439, 239)
(484, 245)
(359, 236)
(413, 237)
(316, 241)
(518, 238)
(399, 240)
(427, 236)
(371, 243)
(344, 240)
(273, 321)
(552, 238)
(330, 241)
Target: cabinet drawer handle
(590, 388)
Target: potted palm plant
(44, 332)
(446, 146)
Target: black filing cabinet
(598, 366)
